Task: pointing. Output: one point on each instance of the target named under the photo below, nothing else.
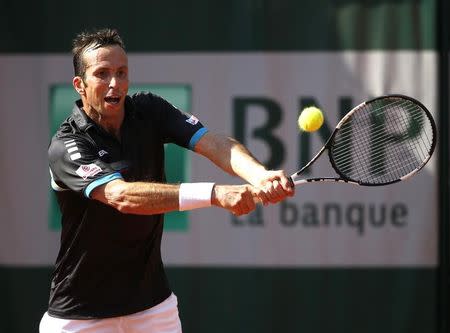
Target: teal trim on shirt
(101, 181)
(196, 137)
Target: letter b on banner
(264, 133)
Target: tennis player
(107, 170)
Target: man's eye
(101, 74)
(122, 74)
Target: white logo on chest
(102, 152)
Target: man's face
(105, 83)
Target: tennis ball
(310, 119)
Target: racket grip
(291, 181)
(256, 199)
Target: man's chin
(114, 107)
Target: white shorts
(162, 318)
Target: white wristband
(195, 195)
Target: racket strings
(378, 157)
(381, 129)
(379, 109)
(378, 135)
(382, 142)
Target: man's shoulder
(143, 96)
(143, 99)
(68, 131)
(70, 144)
(146, 106)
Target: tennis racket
(379, 142)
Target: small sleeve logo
(88, 170)
(193, 120)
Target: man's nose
(113, 81)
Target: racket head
(382, 141)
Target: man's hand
(232, 157)
(238, 199)
(275, 186)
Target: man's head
(92, 40)
(101, 72)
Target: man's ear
(78, 84)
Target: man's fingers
(247, 204)
(288, 185)
(239, 199)
(259, 196)
(275, 191)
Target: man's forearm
(244, 164)
(140, 197)
(231, 156)
(155, 198)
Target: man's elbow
(114, 194)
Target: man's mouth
(112, 100)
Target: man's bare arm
(229, 155)
(141, 198)
(146, 198)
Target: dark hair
(92, 40)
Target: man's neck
(111, 125)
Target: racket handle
(299, 182)
(291, 181)
(256, 199)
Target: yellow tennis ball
(310, 119)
